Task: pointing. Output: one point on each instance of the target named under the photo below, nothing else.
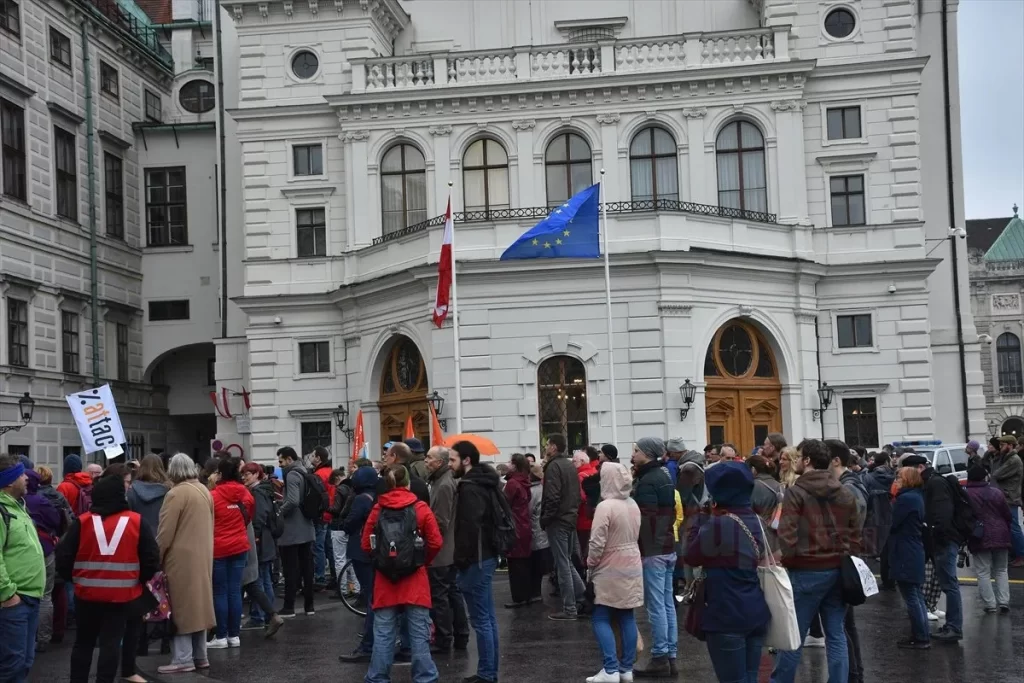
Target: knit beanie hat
(652, 447)
(72, 464)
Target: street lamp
(688, 391)
(437, 402)
(993, 427)
(825, 396)
(339, 417)
(26, 406)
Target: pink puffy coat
(614, 557)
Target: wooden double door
(743, 398)
(403, 392)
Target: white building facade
(775, 199)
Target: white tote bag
(783, 631)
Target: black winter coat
(474, 518)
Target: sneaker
(940, 614)
(286, 613)
(603, 676)
(658, 667)
(1005, 609)
(253, 625)
(947, 635)
(217, 644)
(273, 626)
(356, 657)
(235, 642)
(310, 613)
(911, 644)
(176, 668)
(202, 663)
(562, 616)
(1018, 563)
(932, 616)
(991, 610)
(811, 641)
(625, 677)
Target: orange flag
(358, 438)
(436, 435)
(409, 432)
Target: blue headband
(11, 475)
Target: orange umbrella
(482, 443)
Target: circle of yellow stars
(547, 243)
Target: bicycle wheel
(353, 602)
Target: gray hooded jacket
(297, 529)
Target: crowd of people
(164, 550)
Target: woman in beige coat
(616, 572)
(185, 536)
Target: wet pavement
(537, 650)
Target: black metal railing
(541, 212)
(145, 35)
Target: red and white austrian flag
(444, 270)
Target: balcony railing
(144, 35)
(507, 65)
(541, 212)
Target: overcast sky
(991, 46)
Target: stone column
(525, 167)
(700, 170)
(613, 191)
(443, 172)
(790, 172)
(360, 230)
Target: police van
(946, 458)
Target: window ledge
(169, 249)
(846, 162)
(851, 389)
(313, 190)
(854, 349)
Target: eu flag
(570, 231)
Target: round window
(839, 23)
(305, 65)
(197, 96)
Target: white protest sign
(867, 577)
(98, 424)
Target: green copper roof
(1009, 246)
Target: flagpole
(455, 325)
(608, 306)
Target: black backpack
(399, 550)
(315, 499)
(966, 523)
(505, 535)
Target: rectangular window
(854, 331)
(843, 123)
(166, 223)
(315, 434)
(108, 80)
(113, 190)
(10, 17)
(168, 310)
(60, 47)
(12, 132)
(17, 333)
(211, 374)
(70, 450)
(314, 357)
(860, 422)
(18, 450)
(308, 159)
(122, 352)
(65, 162)
(69, 342)
(311, 232)
(154, 108)
(847, 199)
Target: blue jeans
(365, 574)
(385, 626)
(661, 608)
(18, 626)
(602, 623)
(817, 592)
(475, 582)
(1016, 533)
(914, 599)
(319, 549)
(266, 582)
(227, 594)
(735, 656)
(945, 572)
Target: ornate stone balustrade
(666, 53)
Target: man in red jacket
(322, 549)
(585, 515)
(75, 482)
(402, 537)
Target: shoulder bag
(857, 581)
(783, 631)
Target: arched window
(403, 188)
(485, 176)
(1008, 362)
(567, 167)
(197, 96)
(653, 169)
(741, 178)
(562, 400)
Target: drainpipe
(817, 359)
(90, 134)
(950, 189)
(222, 172)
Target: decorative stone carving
(745, 309)
(364, 5)
(608, 119)
(339, 6)
(1005, 304)
(355, 135)
(523, 124)
(440, 131)
(314, 7)
(695, 112)
(289, 8)
(237, 11)
(674, 309)
(788, 105)
(264, 9)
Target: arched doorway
(1014, 426)
(403, 392)
(743, 402)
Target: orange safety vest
(107, 564)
